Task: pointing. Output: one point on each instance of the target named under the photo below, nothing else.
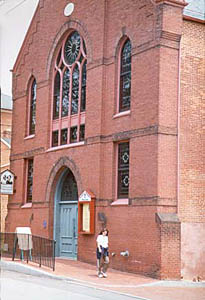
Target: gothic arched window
(32, 108)
(69, 92)
(125, 76)
(69, 189)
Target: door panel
(68, 230)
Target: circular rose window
(72, 48)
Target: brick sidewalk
(132, 284)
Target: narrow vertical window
(69, 92)
(32, 119)
(56, 100)
(75, 91)
(125, 77)
(123, 170)
(83, 89)
(55, 138)
(29, 180)
(73, 134)
(66, 87)
(64, 136)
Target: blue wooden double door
(66, 222)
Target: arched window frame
(31, 125)
(120, 108)
(69, 129)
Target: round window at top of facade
(72, 48)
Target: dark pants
(102, 260)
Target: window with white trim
(123, 170)
(125, 76)
(29, 180)
(32, 107)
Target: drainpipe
(178, 124)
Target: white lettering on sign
(84, 197)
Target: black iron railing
(28, 247)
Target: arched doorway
(66, 215)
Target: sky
(15, 18)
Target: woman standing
(102, 253)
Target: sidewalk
(121, 282)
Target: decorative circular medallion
(72, 48)
(68, 9)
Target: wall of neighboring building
(191, 159)
(6, 123)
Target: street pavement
(119, 283)
(21, 286)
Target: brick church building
(107, 98)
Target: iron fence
(28, 247)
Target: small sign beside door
(7, 183)
(84, 197)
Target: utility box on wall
(86, 213)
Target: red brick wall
(191, 159)
(151, 126)
(191, 205)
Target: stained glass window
(55, 138)
(123, 170)
(72, 48)
(75, 91)
(69, 90)
(56, 96)
(29, 180)
(69, 188)
(66, 87)
(32, 124)
(82, 132)
(83, 88)
(64, 136)
(125, 77)
(73, 134)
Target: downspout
(178, 124)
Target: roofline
(7, 109)
(5, 165)
(189, 18)
(5, 143)
(24, 41)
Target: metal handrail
(28, 247)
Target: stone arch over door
(56, 172)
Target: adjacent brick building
(101, 104)
(191, 197)
(5, 148)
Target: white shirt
(102, 240)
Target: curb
(28, 270)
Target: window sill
(120, 202)
(29, 137)
(122, 114)
(27, 205)
(65, 146)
